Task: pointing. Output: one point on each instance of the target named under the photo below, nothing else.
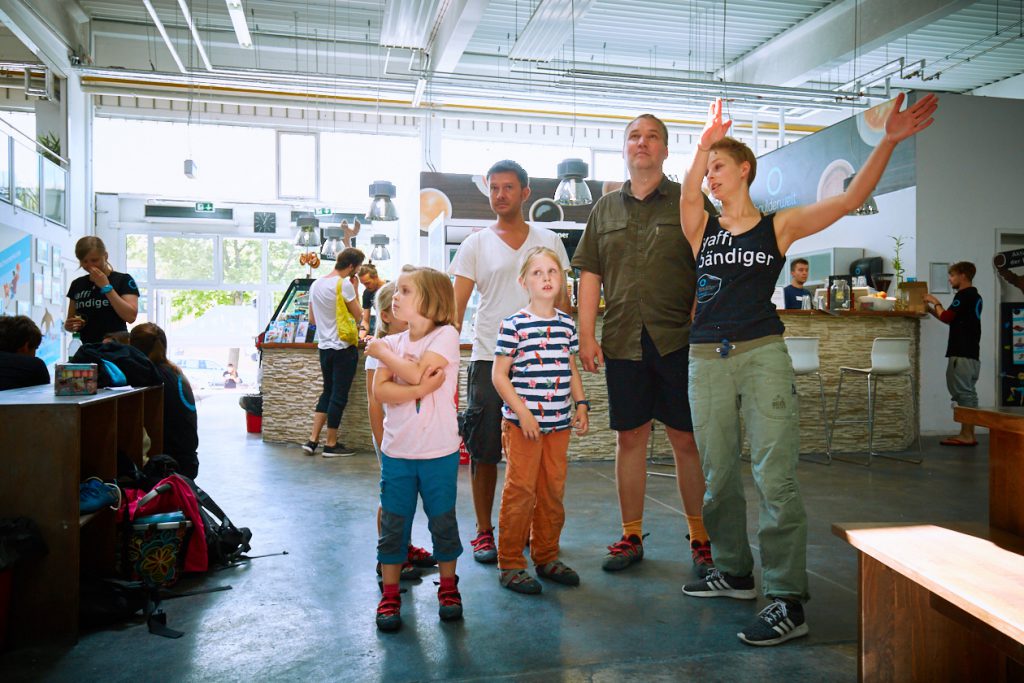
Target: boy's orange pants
(531, 502)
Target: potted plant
(900, 241)
(52, 143)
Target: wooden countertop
(932, 556)
(1004, 418)
(853, 314)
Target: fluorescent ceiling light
(195, 34)
(163, 34)
(547, 30)
(408, 23)
(417, 96)
(237, 14)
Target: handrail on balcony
(37, 146)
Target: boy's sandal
(558, 572)
(520, 581)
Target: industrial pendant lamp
(333, 242)
(572, 189)
(307, 238)
(381, 207)
(380, 248)
(868, 208)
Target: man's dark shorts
(480, 424)
(654, 387)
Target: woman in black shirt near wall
(103, 300)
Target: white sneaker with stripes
(778, 622)
(719, 585)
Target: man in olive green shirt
(634, 246)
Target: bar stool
(890, 357)
(803, 351)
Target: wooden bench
(50, 444)
(939, 603)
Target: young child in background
(538, 345)
(416, 381)
(387, 324)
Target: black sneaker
(778, 622)
(719, 585)
(310, 447)
(338, 450)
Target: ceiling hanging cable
(572, 187)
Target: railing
(31, 177)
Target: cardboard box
(915, 293)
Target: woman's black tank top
(736, 277)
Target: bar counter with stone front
(292, 384)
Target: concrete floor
(308, 615)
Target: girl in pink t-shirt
(416, 382)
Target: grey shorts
(480, 423)
(961, 378)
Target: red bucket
(253, 423)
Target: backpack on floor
(225, 543)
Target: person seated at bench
(118, 337)
(181, 430)
(19, 367)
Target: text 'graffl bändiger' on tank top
(718, 250)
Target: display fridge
(290, 322)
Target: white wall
(969, 185)
(896, 216)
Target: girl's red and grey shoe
(449, 602)
(389, 613)
(420, 557)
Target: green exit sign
(204, 207)
(323, 211)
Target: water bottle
(74, 345)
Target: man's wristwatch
(584, 402)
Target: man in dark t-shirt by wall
(963, 365)
(19, 367)
(794, 291)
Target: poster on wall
(38, 289)
(15, 269)
(1011, 354)
(42, 251)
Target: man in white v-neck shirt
(489, 261)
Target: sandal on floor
(953, 441)
(520, 581)
(558, 572)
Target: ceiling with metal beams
(553, 57)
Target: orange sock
(633, 528)
(697, 530)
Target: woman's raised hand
(715, 129)
(902, 124)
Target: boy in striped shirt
(536, 376)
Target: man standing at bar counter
(962, 350)
(633, 246)
(794, 291)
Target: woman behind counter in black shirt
(103, 301)
(181, 435)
